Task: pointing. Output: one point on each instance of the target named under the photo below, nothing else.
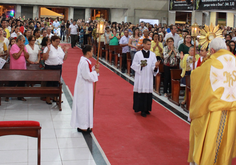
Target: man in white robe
(145, 66)
(82, 109)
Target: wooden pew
(107, 51)
(129, 62)
(158, 78)
(188, 94)
(111, 50)
(175, 85)
(102, 49)
(28, 66)
(117, 54)
(32, 76)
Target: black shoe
(147, 112)
(87, 131)
(80, 130)
(143, 114)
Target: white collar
(145, 50)
(84, 58)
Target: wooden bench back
(102, 44)
(118, 50)
(187, 79)
(114, 48)
(107, 47)
(28, 66)
(176, 74)
(29, 75)
(161, 68)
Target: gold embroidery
(230, 78)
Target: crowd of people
(35, 42)
(35, 39)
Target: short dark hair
(186, 31)
(170, 38)
(154, 35)
(31, 38)
(171, 27)
(229, 36)
(36, 30)
(86, 48)
(145, 40)
(53, 38)
(3, 20)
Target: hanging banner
(215, 4)
(181, 5)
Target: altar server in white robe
(203, 55)
(145, 66)
(82, 108)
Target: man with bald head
(145, 35)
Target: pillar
(213, 18)
(230, 19)
(87, 14)
(206, 18)
(18, 11)
(71, 13)
(131, 15)
(35, 11)
(171, 17)
(196, 16)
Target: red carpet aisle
(127, 138)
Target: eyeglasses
(33, 40)
(232, 45)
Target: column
(206, 18)
(130, 17)
(87, 14)
(18, 11)
(196, 17)
(213, 18)
(71, 13)
(230, 19)
(171, 17)
(234, 20)
(35, 12)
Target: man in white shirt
(125, 48)
(56, 24)
(174, 35)
(16, 33)
(49, 34)
(73, 31)
(142, 27)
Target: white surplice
(143, 82)
(82, 108)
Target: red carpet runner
(127, 138)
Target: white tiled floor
(60, 144)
